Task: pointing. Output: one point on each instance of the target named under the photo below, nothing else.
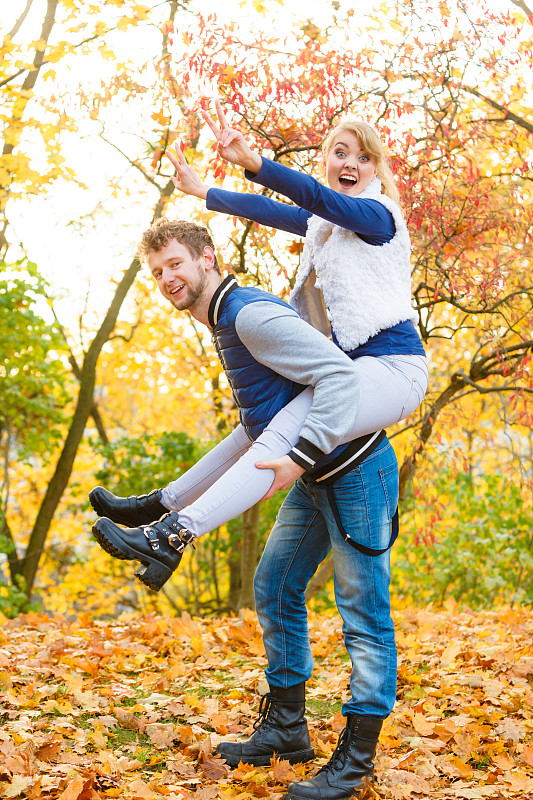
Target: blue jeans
(304, 532)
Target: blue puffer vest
(259, 392)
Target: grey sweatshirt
(278, 338)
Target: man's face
(180, 276)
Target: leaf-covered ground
(133, 708)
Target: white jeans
(226, 482)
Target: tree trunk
(408, 467)
(234, 566)
(84, 408)
(250, 525)
(319, 579)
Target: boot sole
(151, 572)
(298, 757)
(355, 793)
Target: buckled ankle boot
(280, 729)
(351, 762)
(131, 511)
(159, 546)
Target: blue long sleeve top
(366, 217)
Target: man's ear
(208, 256)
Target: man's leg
(299, 541)
(366, 500)
(363, 504)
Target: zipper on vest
(220, 354)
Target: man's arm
(277, 337)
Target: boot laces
(340, 753)
(264, 709)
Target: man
(346, 502)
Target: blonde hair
(373, 147)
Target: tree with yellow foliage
(447, 85)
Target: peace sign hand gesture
(186, 180)
(231, 144)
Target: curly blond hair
(193, 237)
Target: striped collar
(227, 286)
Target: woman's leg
(193, 483)
(391, 388)
(243, 485)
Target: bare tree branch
(38, 60)
(507, 114)
(128, 337)
(16, 27)
(44, 62)
(521, 4)
(439, 296)
(133, 163)
(490, 389)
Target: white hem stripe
(349, 461)
(303, 455)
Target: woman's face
(349, 169)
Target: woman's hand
(186, 180)
(231, 144)
(286, 472)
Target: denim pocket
(389, 481)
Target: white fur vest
(366, 288)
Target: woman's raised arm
(231, 144)
(186, 180)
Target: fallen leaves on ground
(134, 707)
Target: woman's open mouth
(348, 180)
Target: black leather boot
(280, 729)
(131, 511)
(352, 760)
(159, 546)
